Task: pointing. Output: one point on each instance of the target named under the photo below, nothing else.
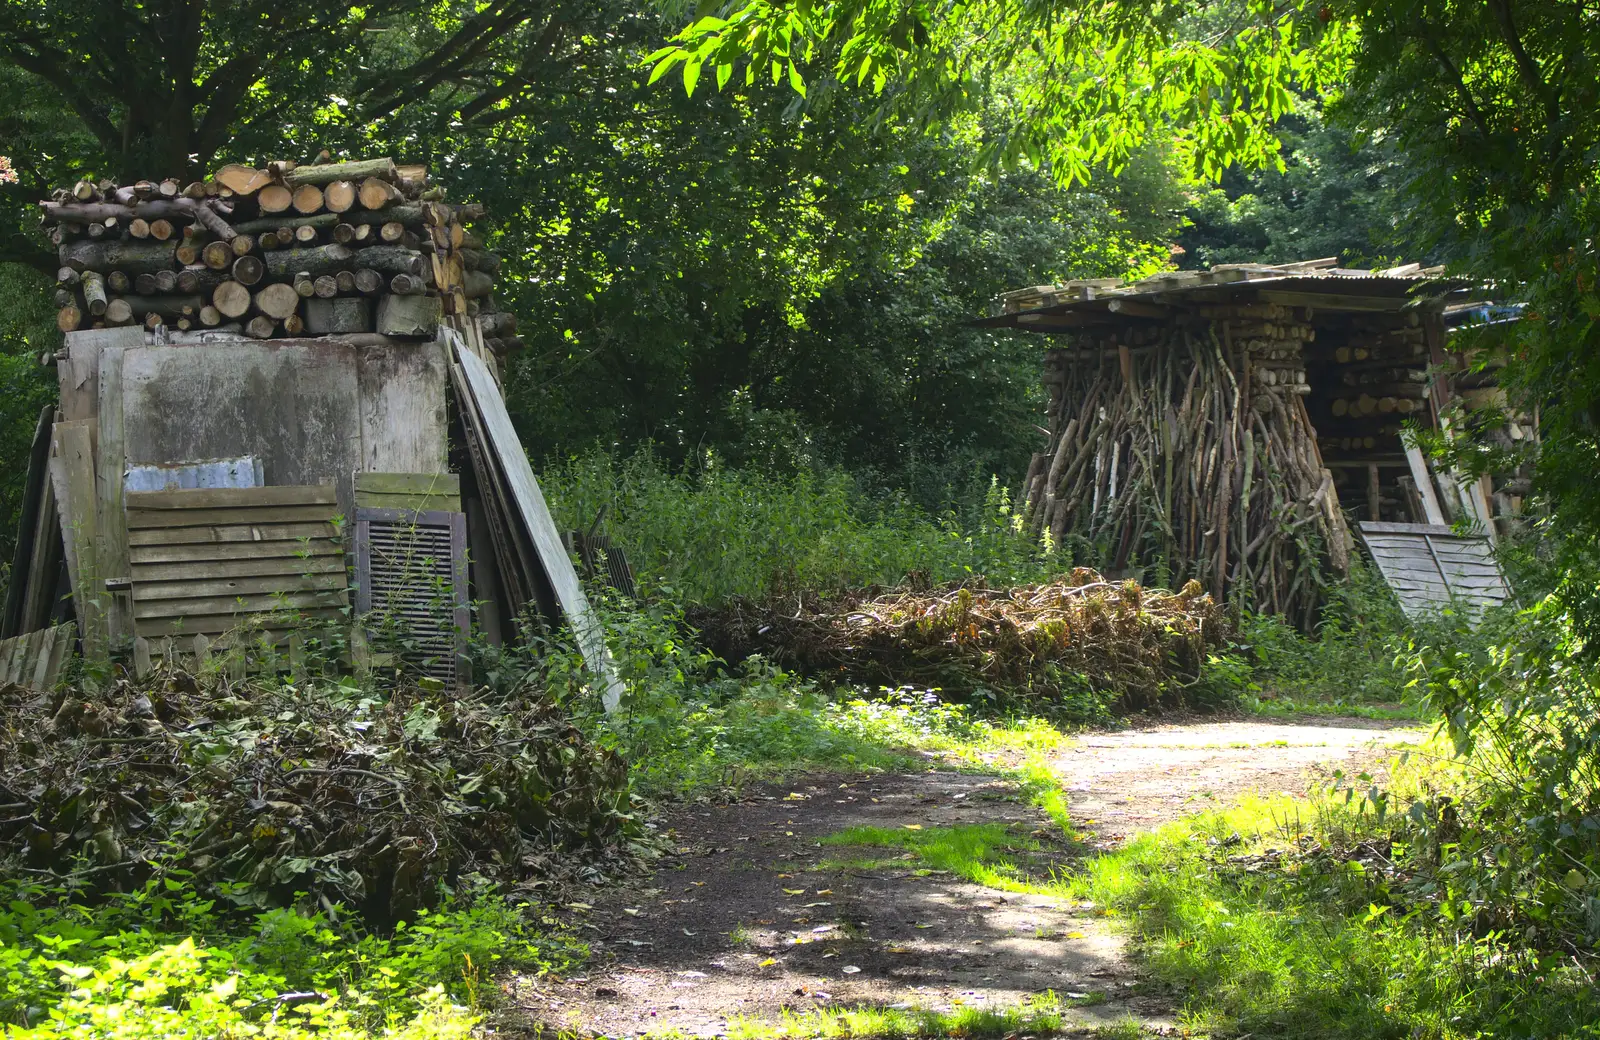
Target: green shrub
(712, 532)
(1520, 847)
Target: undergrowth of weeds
(159, 962)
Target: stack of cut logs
(287, 250)
(1188, 445)
(1372, 373)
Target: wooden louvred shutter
(411, 587)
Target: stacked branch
(1187, 444)
(287, 250)
(1083, 643)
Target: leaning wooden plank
(228, 534)
(409, 483)
(503, 571)
(111, 549)
(288, 548)
(44, 564)
(535, 515)
(206, 606)
(43, 678)
(72, 472)
(62, 653)
(148, 592)
(147, 518)
(524, 580)
(197, 570)
(234, 497)
(10, 650)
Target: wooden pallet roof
(1314, 283)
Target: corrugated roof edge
(1332, 284)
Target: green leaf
(673, 57)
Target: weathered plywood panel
(293, 406)
(402, 408)
(79, 375)
(1429, 566)
(535, 516)
(72, 475)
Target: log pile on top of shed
(285, 250)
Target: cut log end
(277, 301)
(231, 299)
(274, 198)
(339, 196)
(307, 199)
(247, 270)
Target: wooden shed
(1228, 425)
(340, 467)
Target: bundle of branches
(320, 249)
(272, 790)
(1189, 443)
(1124, 646)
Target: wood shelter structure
(340, 466)
(1221, 424)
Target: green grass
(983, 853)
(1040, 1016)
(711, 532)
(1313, 944)
(1315, 949)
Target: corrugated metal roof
(1430, 566)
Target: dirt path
(756, 917)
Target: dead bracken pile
(1116, 644)
(267, 790)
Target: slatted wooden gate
(36, 660)
(411, 587)
(1430, 566)
(212, 561)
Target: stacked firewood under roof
(286, 250)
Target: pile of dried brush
(268, 790)
(1082, 641)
